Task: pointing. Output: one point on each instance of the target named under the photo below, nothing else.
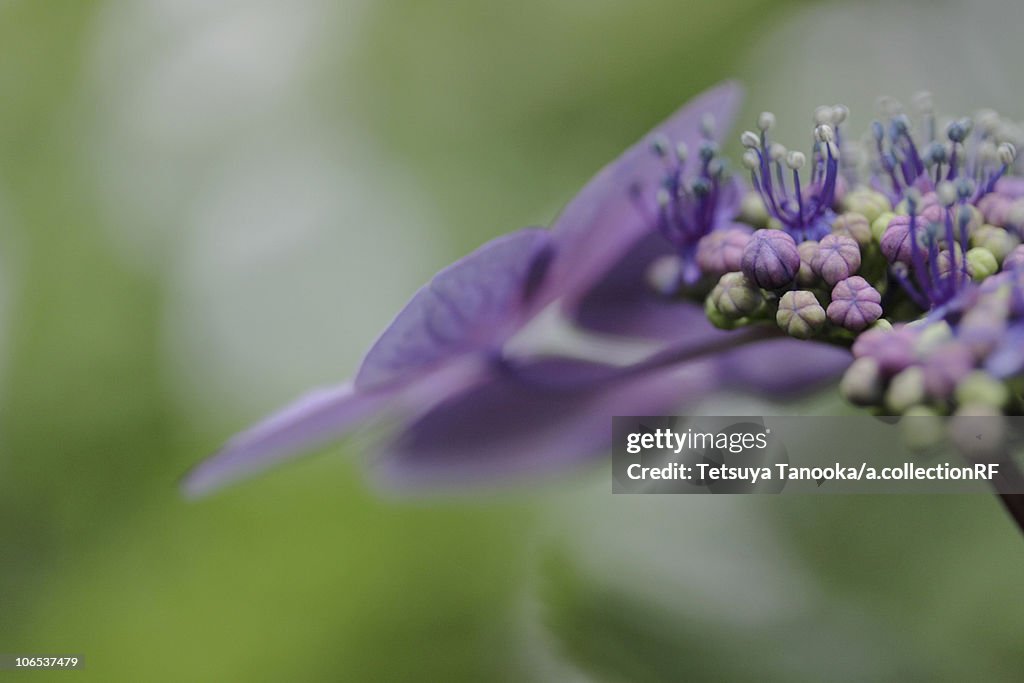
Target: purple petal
(624, 304)
(310, 421)
(781, 367)
(474, 304)
(602, 221)
(509, 427)
(1008, 358)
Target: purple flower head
(837, 258)
(929, 257)
(770, 259)
(466, 402)
(696, 196)
(855, 304)
(803, 208)
(970, 153)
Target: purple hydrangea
(465, 407)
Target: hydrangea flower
(463, 406)
(906, 261)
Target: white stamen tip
(750, 139)
(796, 160)
(1007, 153)
(824, 133)
(946, 192)
(766, 120)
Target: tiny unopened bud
(981, 388)
(981, 263)
(735, 297)
(800, 315)
(906, 390)
(862, 383)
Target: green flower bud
(716, 318)
(854, 225)
(862, 383)
(800, 314)
(753, 211)
(981, 263)
(932, 336)
(805, 276)
(868, 203)
(997, 240)
(879, 225)
(906, 390)
(980, 388)
(735, 297)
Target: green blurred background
(206, 208)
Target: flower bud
(853, 225)
(862, 383)
(995, 208)
(805, 276)
(837, 258)
(895, 241)
(868, 203)
(800, 315)
(892, 349)
(721, 251)
(752, 210)
(855, 304)
(998, 241)
(1015, 259)
(981, 263)
(906, 390)
(879, 225)
(945, 367)
(770, 259)
(735, 297)
(981, 388)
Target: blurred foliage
(500, 110)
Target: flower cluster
(901, 267)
